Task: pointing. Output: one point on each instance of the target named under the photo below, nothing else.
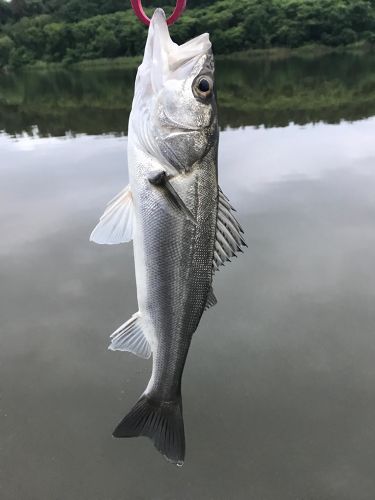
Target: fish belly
(173, 261)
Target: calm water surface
(278, 390)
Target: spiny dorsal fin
(117, 224)
(229, 233)
(130, 337)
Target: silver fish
(182, 225)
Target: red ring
(140, 13)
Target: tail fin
(162, 422)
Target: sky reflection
(279, 384)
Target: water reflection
(278, 388)
(258, 92)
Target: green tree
(6, 46)
(106, 44)
(57, 38)
(75, 30)
(5, 12)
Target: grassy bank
(88, 64)
(306, 51)
(275, 53)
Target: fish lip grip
(140, 13)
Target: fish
(181, 223)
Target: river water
(279, 387)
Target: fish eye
(203, 87)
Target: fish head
(175, 89)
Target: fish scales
(182, 225)
(175, 257)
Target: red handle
(140, 13)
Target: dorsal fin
(229, 233)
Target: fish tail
(162, 422)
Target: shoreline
(304, 51)
(273, 53)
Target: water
(262, 92)
(279, 385)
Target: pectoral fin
(117, 224)
(161, 181)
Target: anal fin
(130, 337)
(211, 299)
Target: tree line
(76, 30)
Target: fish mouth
(191, 49)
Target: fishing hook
(140, 13)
